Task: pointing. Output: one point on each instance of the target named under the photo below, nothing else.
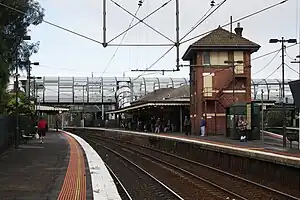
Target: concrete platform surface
(35, 171)
(270, 144)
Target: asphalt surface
(34, 171)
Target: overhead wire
(291, 68)
(206, 15)
(272, 52)
(154, 63)
(143, 19)
(287, 54)
(273, 72)
(255, 58)
(91, 39)
(124, 35)
(202, 19)
(54, 25)
(267, 63)
(238, 20)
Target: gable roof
(223, 40)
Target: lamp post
(262, 116)
(35, 90)
(17, 93)
(282, 41)
(38, 98)
(28, 63)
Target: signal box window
(206, 58)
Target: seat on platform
(292, 136)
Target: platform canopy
(51, 109)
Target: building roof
(222, 40)
(166, 94)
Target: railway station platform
(271, 150)
(64, 167)
(272, 143)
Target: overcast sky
(65, 54)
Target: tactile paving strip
(74, 186)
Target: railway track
(184, 183)
(242, 188)
(121, 189)
(139, 183)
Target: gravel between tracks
(186, 186)
(246, 189)
(138, 184)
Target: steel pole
(177, 36)
(283, 95)
(104, 24)
(29, 79)
(299, 130)
(83, 106)
(17, 104)
(262, 116)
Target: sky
(64, 54)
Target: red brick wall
(220, 80)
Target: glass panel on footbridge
(51, 89)
(109, 89)
(95, 89)
(66, 89)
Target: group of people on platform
(158, 125)
(154, 124)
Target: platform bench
(25, 137)
(292, 136)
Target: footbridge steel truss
(110, 90)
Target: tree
(25, 107)
(13, 26)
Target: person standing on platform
(187, 125)
(57, 118)
(242, 129)
(202, 126)
(157, 125)
(42, 129)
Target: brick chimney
(239, 30)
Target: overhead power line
(267, 63)
(273, 72)
(255, 58)
(124, 35)
(291, 68)
(272, 52)
(238, 20)
(203, 18)
(54, 25)
(94, 40)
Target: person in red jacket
(42, 129)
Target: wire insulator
(140, 3)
